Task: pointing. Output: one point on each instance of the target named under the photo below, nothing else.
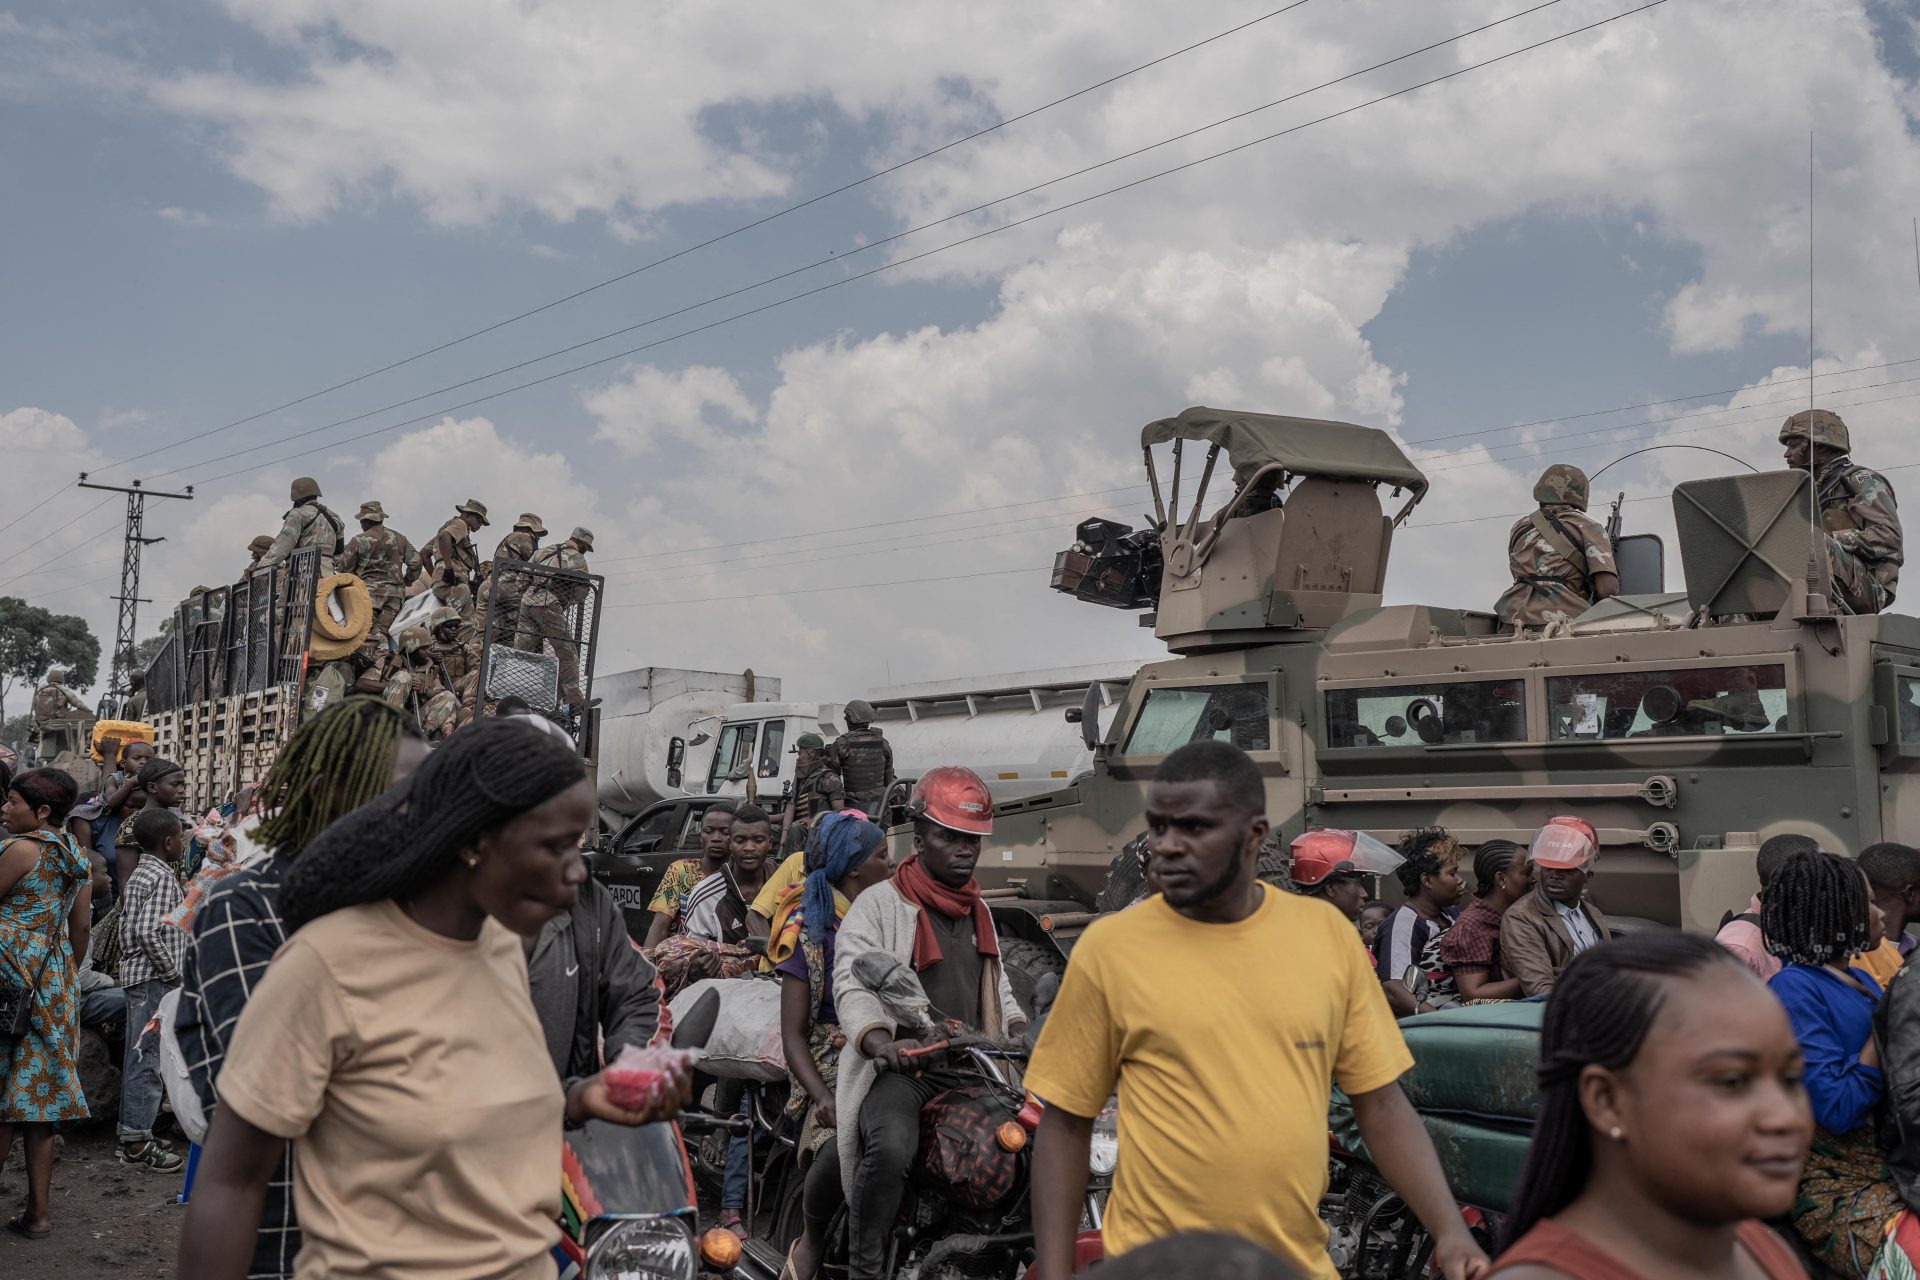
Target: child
(152, 952)
(1372, 916)
(163, 781)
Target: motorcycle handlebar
(695, 1122)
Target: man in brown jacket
(1542, 933)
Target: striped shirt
(149, 946)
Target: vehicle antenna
(1814, 550)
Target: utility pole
(129, 597)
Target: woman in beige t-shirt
(393, 1039)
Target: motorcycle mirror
(697, 1027)
(897, 987)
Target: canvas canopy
(1304, 446)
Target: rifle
(1614, 523)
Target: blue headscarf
(839, 844)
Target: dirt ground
(109, 1221)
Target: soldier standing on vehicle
(863, 758)
(817, 791)
(543, 612)
(451, 557)
(1857, 509)
(1561, 559)
(1173, 1002)
(258, 548)
(53, 702)
(386, 562)
(519, 546)
(309, 524)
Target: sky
(226, 229)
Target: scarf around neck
(914, 885)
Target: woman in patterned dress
(45, 895)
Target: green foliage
(147, 650)
(15, 729)
(32, 640)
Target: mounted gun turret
(1300, 542)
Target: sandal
(730, 1220)
(18, 1225)
(150, 1155)
(786, 1268)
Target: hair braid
(1815, 909)
(484, 776)
(1598, 1015)
(331, 765)
(1489, 860)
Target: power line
(48, 535)
(808, 591)
(728, 235)
(965, 240)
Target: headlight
(643, 1249)
(1103, 1154)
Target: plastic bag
(745, 1044)
(173, 1070)
(637, 1079)
(416, 612)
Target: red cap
(955, 798)
(1327, 852)
(1565, 844)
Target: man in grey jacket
(931, 917)
(588, 978)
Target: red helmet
(1565, 844)
(1327, 852)
(955, 798)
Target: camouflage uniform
(1545, 578)
(456, 647)
(53, 702)
(816, 792)
(418, 686)
(1859, 513)
(519, 546)
(454, 561)
(308, 524)
(258, 548)
(864, 759)
(386, 562)
(543, 612)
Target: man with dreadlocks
(334, 763)
(1817, 913)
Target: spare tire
(356, 603)
(1026, 963)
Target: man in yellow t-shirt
(1223, 1010)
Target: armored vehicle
(1686, 728)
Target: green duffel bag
(1476, 1060)
(1482, 1160)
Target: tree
(147, 650)
(33, 640)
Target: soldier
(1562, 561)
(53, 702)
(543, 612)
(518, 546)
(259, 547)
(1857, 509)
(817, 791)
(864, 760)
(417, 687)
(455, 563)
(136, 704)
(309, 524)
(456, 647)
(386, 562)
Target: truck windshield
(1681, 703)
(770, 744)
(1171, 718)
(733, 755)
(1908, 709)
(1412, 715)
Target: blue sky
(210, 211)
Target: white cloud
(548, 252)
(183, 217)
(651, 404)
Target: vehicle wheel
(1276, 860)
(1126, 878)
(1026, 963)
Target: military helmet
(474, 507)
(584, 537)
(372, 510)
(305, 488)
(1562, 483)
(441, 616)
(531, 523)
(860, 711)
(1818, 426)
(261, 544)
(414, 639)
(56, 675)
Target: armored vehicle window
(1687, 702)
(1172, 718)
(1908, 708)
(1413, 715)
(733, 755)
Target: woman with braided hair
(393, 1040)
(1817, 913)
(1672, 1121)
(332, 764)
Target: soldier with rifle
(54, 703)
(308, 524)
(420, 687)
(817, 791)
(863, 758)
(543, 612)
(518, 546)
(451, 557)
(1864, 543)
(1561, 559)
(386, 562)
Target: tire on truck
(1026, 964)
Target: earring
(1616, 1133)
(473, 860)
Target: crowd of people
(377, 928)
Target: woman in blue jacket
(1817, 916)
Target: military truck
(1686, 728)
